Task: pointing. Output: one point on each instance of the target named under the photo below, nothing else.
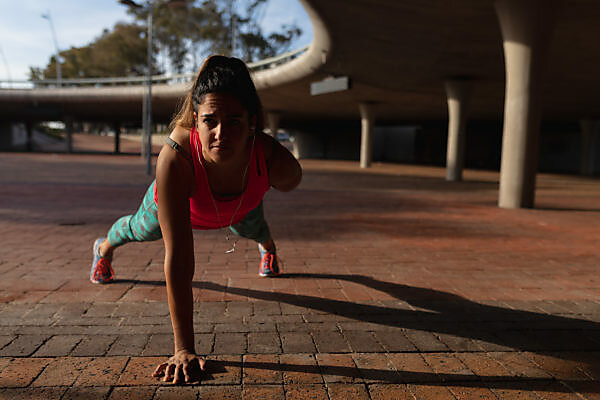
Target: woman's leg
(255, 227)
(141, 226)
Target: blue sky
(26, 39)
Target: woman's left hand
(183, 364)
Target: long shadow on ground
(442, 313)
(374, 376)
(445, 313)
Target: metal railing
(267, 63)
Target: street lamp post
(149, 98)
(147, 114)
(58, 70)
(7, 68)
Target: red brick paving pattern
(398, 285)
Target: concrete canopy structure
(399, 56)
(399, 53)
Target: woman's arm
(285, 172)
(173, 179)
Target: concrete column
(589, 153)
(69, 133)
(143, 143)
(6, 136)
(367, 122)
(458, 93)
(526, 27)
(117, 129)
(273, 118)
(29, 130)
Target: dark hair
(221, 74)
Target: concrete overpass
(411, 60)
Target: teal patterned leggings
(143, 226)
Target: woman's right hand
(183, 364)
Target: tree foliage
(120, 52)
(184, 31)
(191, 28)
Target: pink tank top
(202, 211)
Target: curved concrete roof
(396, 52)
(399, 52)
(125, 102)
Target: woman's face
(223, 127)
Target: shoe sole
(269, 275)
(95, 261)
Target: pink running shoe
(269, 263)
(101, 271)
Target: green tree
(120, 52)
(184, 28)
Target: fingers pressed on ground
(177, 376)
(179, 373)
(187, 372)
(160, 369)
(169, 373)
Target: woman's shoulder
(176, 155)
(174, 166)
(266, 144)
(181, 136)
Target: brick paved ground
(398, 285)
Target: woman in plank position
(213, 173)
